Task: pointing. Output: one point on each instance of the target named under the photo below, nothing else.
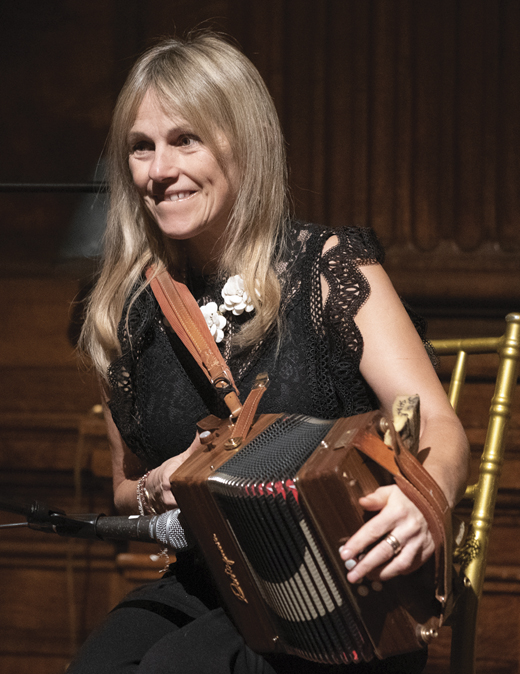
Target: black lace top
(159, 393)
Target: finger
(378, 556)
(169, 499)
(371, 532)
(398, 515)
(411, 558)
(372, 502)
(396, 554)
(377, 499)
(371, 546)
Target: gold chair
(472, 555)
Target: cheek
(138, 174)
(231, 183)
(223, 184)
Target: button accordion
(270, 518)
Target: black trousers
(176, 626)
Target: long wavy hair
(217, 89)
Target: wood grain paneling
(401, 115)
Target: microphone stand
(50, 520)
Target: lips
(173, 196)
(176, 196)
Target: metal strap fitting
(222, 386)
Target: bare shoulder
(395, 361)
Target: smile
(178, 196)
(174, 196)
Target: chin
(180, 233)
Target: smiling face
(180, 181)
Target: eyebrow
(134, 135)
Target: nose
(163, 167)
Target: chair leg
(463, 637)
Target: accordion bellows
(269, 520)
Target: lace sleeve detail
(359, 244)
(338, 343)
(348, 286)
(335, 345)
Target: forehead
(153, 117)
(151, 113)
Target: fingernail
(350, 564)
(345, 553)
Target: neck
(203, 253)
(188, 264)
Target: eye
(187, 140)
(141, 146)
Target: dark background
(399, 114)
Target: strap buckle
(222, 386)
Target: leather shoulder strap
(185, 317)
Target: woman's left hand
(405, 542)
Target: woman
(198, 186)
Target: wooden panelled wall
(399, 114)
(404, 116)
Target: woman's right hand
(127, 469)
(158, 481)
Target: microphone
(165, 529)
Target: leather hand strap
(437, 513)
(418, 485)
(185, 317)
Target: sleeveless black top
(159, 392)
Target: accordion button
(363, 590)
(377, 586)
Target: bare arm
(395, 362)
(127, 469)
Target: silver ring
(394, 543)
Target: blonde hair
(218, 90)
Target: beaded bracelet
(142, 494)
(147, 504)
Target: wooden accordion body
(269, 519)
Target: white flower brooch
(236, 300)
(214, 320)
(235, 297)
